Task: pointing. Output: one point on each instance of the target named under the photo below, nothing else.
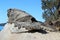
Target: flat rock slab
(6, 34)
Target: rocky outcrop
(22, 19)
(19, 15)
(18, 28)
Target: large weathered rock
(16, 30)
(21, 19)
(19, 15)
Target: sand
(6, 34)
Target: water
(1, 27)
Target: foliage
(51, 8)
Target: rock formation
(19, 21)
(22, 19)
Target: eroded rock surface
(6, 34)
(22, 19)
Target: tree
(51, 10)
